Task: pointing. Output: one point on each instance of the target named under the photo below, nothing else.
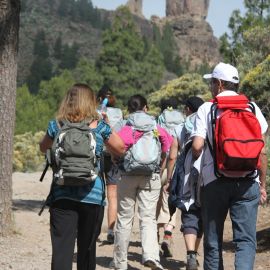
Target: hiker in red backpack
(234, 167)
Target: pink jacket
(126, 134)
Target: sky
(218, 14)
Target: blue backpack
(170, 119)
(143, 158)
(176, 196)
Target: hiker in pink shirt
(146, 146)
(126, 134)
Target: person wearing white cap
(222, 195)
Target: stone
(195, 8)
(135, 7)
(195, 41)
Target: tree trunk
(9, 32)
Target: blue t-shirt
(92, 193)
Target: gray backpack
(115, 117)
(73, 157)
(143, 158)
(170, 119)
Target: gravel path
(29, 245)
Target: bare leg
(112, 208)
(190, 241)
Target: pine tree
(122, 58)
(58, 48)
(41, 68)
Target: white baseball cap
(225, 72)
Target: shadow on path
(263, 242)
(29, 205)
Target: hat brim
(207, 76)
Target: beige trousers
(163, 213)
(145, 191)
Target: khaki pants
(145, 191)
(163, 213)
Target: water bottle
(103, 106)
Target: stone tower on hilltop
(135, 7)
(195, 8)
(195, 42)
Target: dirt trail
(29, 245)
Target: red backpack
(237, 137)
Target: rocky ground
(29, 245)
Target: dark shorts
(113, 176)
(192, 222)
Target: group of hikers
(208, 161)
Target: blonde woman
(77, 211)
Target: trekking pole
(42, 208)
(44, 171)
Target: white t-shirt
(203, 128)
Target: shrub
(26, 154)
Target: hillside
(194, 38)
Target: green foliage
(31, 112)
(53, 91)
(41, 48)
(256, 84)
(257, 14)
(26, 154)
(34, 111)
(69, 56)
(41, 68)
(82, 10)
(124, 61)
(167, 46)
(85, 72)
(58, 48)
(256, 41)
(180, 88)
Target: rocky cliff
(193, 35)
(197, 9)
(135, 6)
(195, 41)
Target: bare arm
(163, 163)
(115, 144)
(262, 172)
(45, 143)
(197, 146)
(172, 158)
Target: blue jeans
(241, 199)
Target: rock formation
(195, 41)
(194, 8)
(194, 37)
(135, 7)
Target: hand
(263, 198)
(105, 117)
(166, 187)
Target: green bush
(181, 89)
(26, 154)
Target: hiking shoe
(166, 247)
(192, 263)
(110, 238)
(153, 264)
(112, 266)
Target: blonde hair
(78, 104)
